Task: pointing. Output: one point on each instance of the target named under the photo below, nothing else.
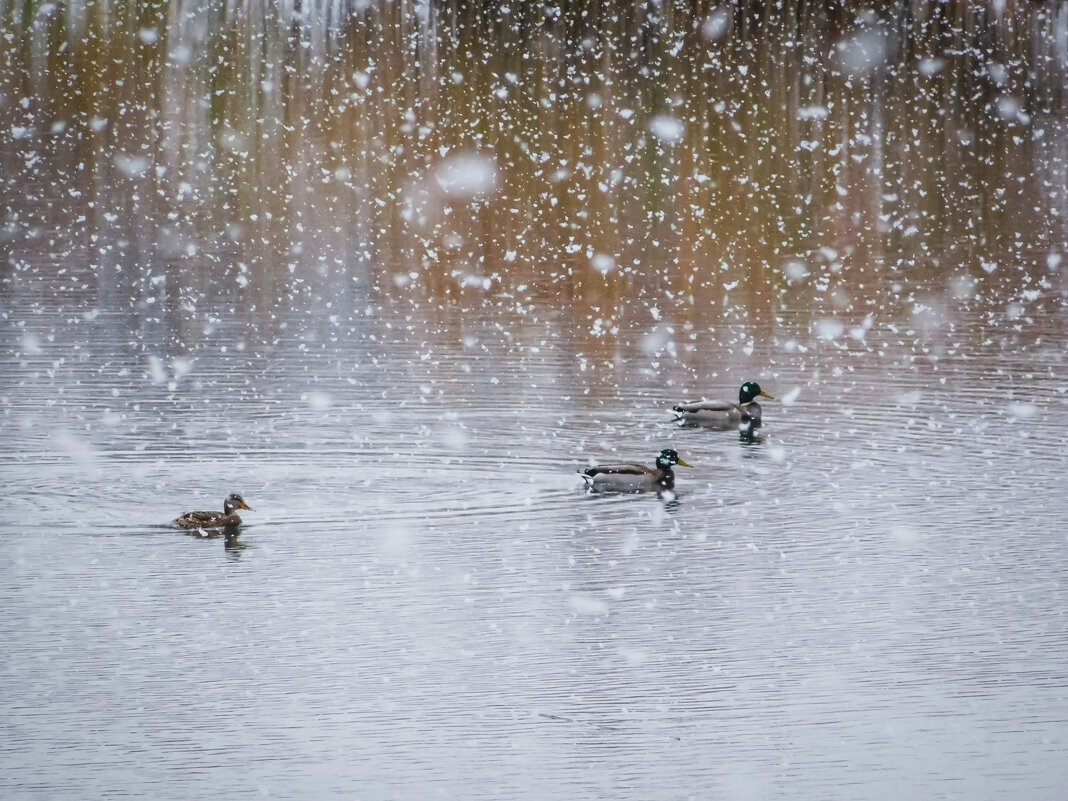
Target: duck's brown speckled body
(227, 518)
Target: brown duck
(227, 518)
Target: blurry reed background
(787, 152)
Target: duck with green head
(227, 518)
(725, 414)
(631, 477)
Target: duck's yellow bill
(684, 464)
(764, 394)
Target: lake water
(866, 602)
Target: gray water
(867, 602)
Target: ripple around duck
(331, 487)
(478, 463)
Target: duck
(227, 518)
(725, 414)
(631, 477)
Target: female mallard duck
(629, 477)
(227, 518)
(724, 414)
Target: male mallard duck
(629, 477)
(724, 414)
(227, 518)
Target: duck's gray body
(712, 413)
(745, 414)
(633, 477)
(627, 477)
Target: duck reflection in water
(670, 499)
(750, 435)
(232, 545)
(230, 537)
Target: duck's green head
(670, 457)
(751, 390)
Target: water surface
(870, 598)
